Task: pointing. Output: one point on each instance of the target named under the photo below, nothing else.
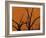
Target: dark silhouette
(28, 22)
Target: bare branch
(34, 21)
(20, 23)
(27, 12)
(14, 26)
(29, 17)
(21, 19)
(15, 22)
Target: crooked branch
(34, 21)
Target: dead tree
(19, 24)
(28, 18)
(28, 22)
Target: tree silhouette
(28, 22)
